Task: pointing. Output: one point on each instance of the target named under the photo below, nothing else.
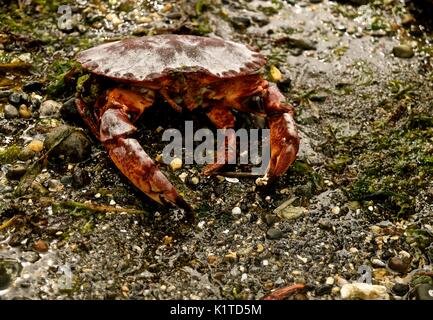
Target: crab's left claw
(284, 140)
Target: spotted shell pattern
(151, 57)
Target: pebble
(80, 178)
(54, 185)
(363, 291)
(24, 112)
(26, 154)
(236, 210)
(330, 281)
(274, 234)
(76, 147)
(322, 290)
(400, 289)
(183, 176)
(325, 224)
(32, 86)
(260, 248)
(211, 259)
(16, 172)
(424, 292)
(241, 22)
(398, 264)
(403, 51)
(69, 111)
(10, 112)
(50, 109)
(36, 145)
(195, 180)
(176, 164)
(231, 257)
(30, 256)
(378, 263)
(40, 246)
(15, 98)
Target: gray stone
(10, 111)
(274, 234)
(403, 51)
(50, 109)
(424, 292)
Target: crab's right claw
(284, 140)
(134, 163)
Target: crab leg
(284, 135)
(223, 118)
(127, 154)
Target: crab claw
(133, 162)
(114, 130)
(284, 135)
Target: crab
(189, 72)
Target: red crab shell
(151, 57)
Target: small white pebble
(232, 180)
(195, 180)
(176, 164)
(268, 198)
(163, 287)
(335, 210)
(183, 176)
(226, 231)
(330, 281)
(265, 262)
(112, 202)
(370, 208)
(98, 195)
(236, 210)
(201, 224)
(244, 277)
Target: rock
(17, 98)
(403, 51)
(274, 234)
(5, 278)
(322, 290)
(325, 224)
(236, 210)
(80, 178)
(33, 86)
(10, 112)
(54, 185)
(424, 292)
(16, 172)
(40, 246)
(26, 154)
(261, 20)
(30, 256)
(24, 112)
(75, 147)
(36, 145)
(231, 257)
(176, 164)
(398, 264)
(378, 263)
(50, 109)
(363, 291)
(69, 111)
(275, 74)
(400, 289)
(241, 22)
